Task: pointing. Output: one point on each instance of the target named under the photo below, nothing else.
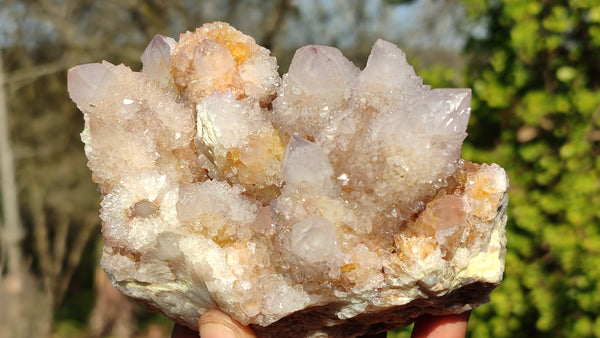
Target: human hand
(447, 326)
(216, 324)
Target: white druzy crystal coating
(331, 201)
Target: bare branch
(280, 10)
(40, 235)
(74, 257)
(60, 244)
(25, 76)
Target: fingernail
(214, 330)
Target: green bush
(535, 76)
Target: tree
(10, 228)
(535, 76)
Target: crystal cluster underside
(332, 198)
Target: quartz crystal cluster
(329, 201)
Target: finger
(450, 326)
(216, 324)
(180, 331)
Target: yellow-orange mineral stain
(348, 267)
(191, 54)
(231, 39)
(256, 165)
(414, 247)
(485, 192)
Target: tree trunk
(113, 313)
(11, 230)
(23, 312)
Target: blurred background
(534, 67)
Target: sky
(398, 23)
(421, 24)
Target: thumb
(217, 324)
(446, 326)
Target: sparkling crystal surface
(330, 201)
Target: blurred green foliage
(534, 67)
(535, 75)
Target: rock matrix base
(329, 201)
